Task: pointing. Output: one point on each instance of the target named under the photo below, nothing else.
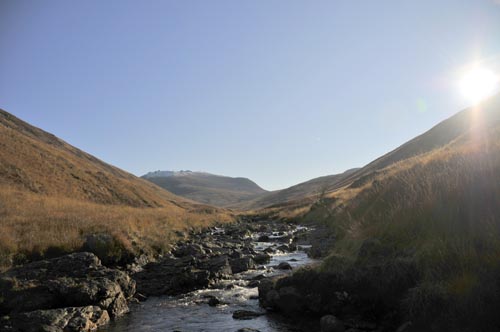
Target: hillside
(311, 188)
(53, 195)
(439, 136)
(419, 235)
(205, 187)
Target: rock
(404, 327)
(194, 250)
(269, 250)
(74, 280)
(246, 314)
(284, 266)
(263, 238)
(241, 264)
(330, 323)
(289, 301)
(253, 284)
(283, 248)
(268, 296)
(77, 319)
(247, 329)
(262, 258)
(213, 301)
(172, 276)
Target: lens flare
(478, 84)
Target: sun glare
(478, 83)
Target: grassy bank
(33, 226)
(430, 224)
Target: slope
(53, 195)
(207, 188)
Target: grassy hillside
(52, 195)
(422, 234)
(299, 191)
(208, 188)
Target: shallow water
(191, 313)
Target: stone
(330, 323)
(284, 266)
(241, 264)
(262, 258)
(77, 319)
(73, 280)
(213, 301)
(289, 301)
(246, 314)
(263, 238)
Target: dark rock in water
(253, 284)
(269, 250)
(241, 264)
(262, 258)
(247, 329)
(283, 248)
(173, 276)
(330, 323)
(246, 314)
(259, 277)
(77, 319)
(268, 296)
(213, 301)
(284, 266)
(73, 280)
(263, 238)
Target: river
(191, 313)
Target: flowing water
(191, 313)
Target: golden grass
(32, 223)
(441, 212)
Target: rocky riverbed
(218, 268)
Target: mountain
(205, 187)
(52, 195)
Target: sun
(479, 83)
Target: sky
(277, 91)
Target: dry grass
(31, 224)
(52, 195)
(440, 212)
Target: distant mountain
(206, 188)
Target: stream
(191, 312)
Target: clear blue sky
(277, 91)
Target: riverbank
(77, 293)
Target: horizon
(324, 88)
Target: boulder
(330, 323)
(77, 319)
(284, 266)
(262, 258)
(289, 301)
(74, 280)
(246, 314)
(241, 264)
